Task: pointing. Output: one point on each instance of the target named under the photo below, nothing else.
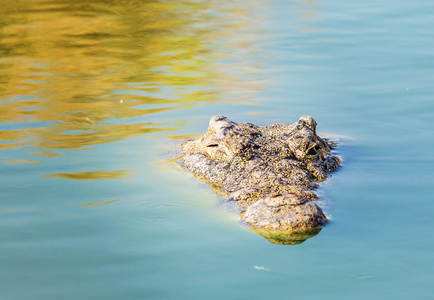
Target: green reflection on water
(75, 73)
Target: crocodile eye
(213, 145)
(313, 151)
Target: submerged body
(268, 170)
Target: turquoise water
(94, 96)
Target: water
(94, 95)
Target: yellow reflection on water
(92, 175)
(46, 153)
(99, 203)
(22, 161)
(76, 74)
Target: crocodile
(270, 172)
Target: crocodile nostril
(213, 145)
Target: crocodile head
(249, 164)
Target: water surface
(95, 95)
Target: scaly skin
(250, 164)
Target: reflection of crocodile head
(268, 170)
(280, 237)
